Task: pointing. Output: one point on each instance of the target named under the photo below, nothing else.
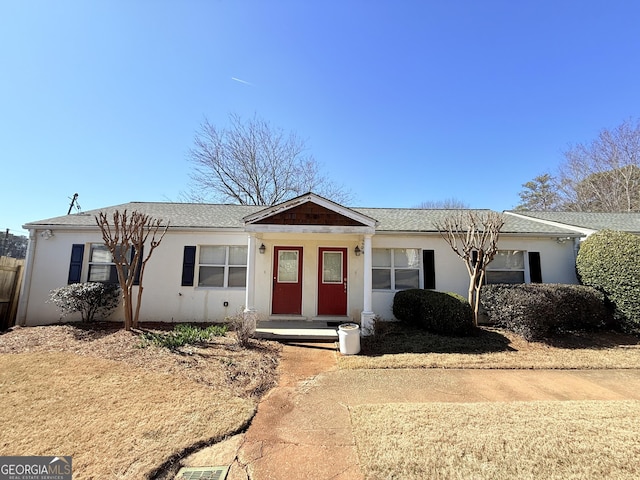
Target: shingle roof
(215, 216)
(185, 215)
(422, 220)
(626, 222)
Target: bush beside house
(437, 312)
(89, 299)
(609, 261)
(537, 311)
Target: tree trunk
(139, 301)
(126, 304)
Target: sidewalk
(302, 428)
(299, 432)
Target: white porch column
(249, 302)
(367, 315)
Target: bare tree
(540, 194)
(473, 236)
(446, 204)
(604, 175)
(14, 246)
(125, 237)
(253, 163)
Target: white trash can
(349, 337)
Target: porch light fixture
(262, 249)
(357, 251)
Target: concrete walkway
(303, 428)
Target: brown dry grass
(402, 347)
(499, 441)
(119, 410)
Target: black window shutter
(429, 266)
(188, 266)
(136, 278)
(535, 270)
(75, 265)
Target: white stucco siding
(451, 274)
(557, 262)
(49, 270)
(557, 259)
(166, 300)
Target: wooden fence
(10, 282)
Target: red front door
(332, 281)
(287, 281)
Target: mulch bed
(249, 372)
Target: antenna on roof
(74, 201)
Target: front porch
(308, 259)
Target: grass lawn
(122, 411)
(498, 441)
(398, 346)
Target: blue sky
(400, 101)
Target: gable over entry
(309, 213)
(310, 265)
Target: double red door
(287, 281)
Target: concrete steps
(293, 330)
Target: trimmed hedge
(610, 262)
(540, 310)
(437, 312)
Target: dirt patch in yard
(217, 363)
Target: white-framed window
(395, 268)
(506, 267)
(223, 266)
(288, 266)
(332, 263)
(101, 265)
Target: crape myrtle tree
(125, 235)
(473, 236)
(250, 162)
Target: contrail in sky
(241, 81)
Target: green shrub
(609, 261)
(540, 310)
(406, 306)
(89, 299)
(182, 334)
(437, 312)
